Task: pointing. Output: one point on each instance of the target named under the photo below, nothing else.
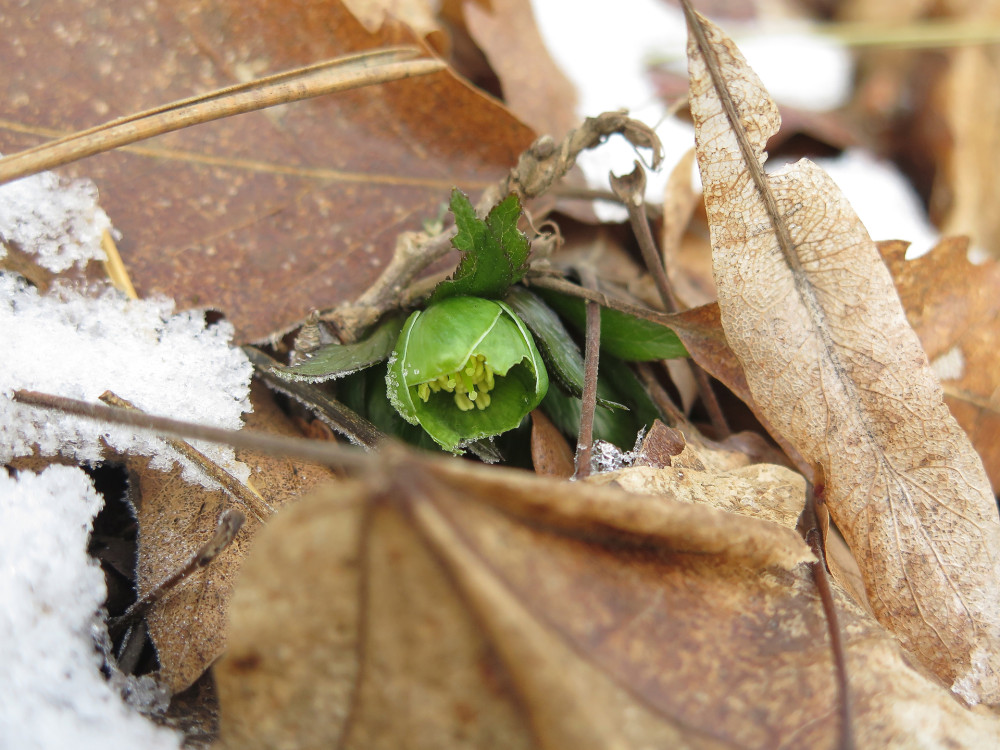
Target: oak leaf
(810, 310)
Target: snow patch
(950, 365)
(75, 346)
(51, 592)
(56, 219)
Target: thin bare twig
(631, 188)
(249, 499)
(588, 402)
(543, 164)
(316, 452)
(811, 527)
(660, 397)
(354, 71)
(601, 298)
(229, 525)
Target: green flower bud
(464, 369)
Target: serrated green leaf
(495, 251)
(624, 336)
(560, 352)
(337, 360)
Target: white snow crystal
(51, 591)
(163, 363)
(56, 219)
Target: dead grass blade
(340, 74)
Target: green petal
(439, 341)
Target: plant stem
(588, 402)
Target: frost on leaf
(55, 219)
(811, 312)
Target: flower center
(471, 384)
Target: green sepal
(624, 336)
(558, 349)
(438, 341)
(494, 251)
(337, 360)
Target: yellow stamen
(470, 384)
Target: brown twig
(660, 397)
(603, 299)
(354, 71)
(229, 525)
(811, 527)
(588, 402)
(249, 499)
(322, 453)
(631, 188)
(543, 164)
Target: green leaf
(617, 381)
(626, 337)
(558, 349)
(618, 427)
(337, 360)
(495, 252)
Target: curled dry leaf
(534, 87)
(462, 607)
(810, 310)
(954, 307)
(188, 626)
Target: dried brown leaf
(188, 626)
(272, 214)
(762, 491)
(485, 619)
(550, 452)
(954, 307)
(810, 310)
(534, 87)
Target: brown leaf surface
(534, 87)
(954, 307)
(949, 137)
(482, 618)
(188, 626)
(810, 310)
(271, 214)
(550, 452)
